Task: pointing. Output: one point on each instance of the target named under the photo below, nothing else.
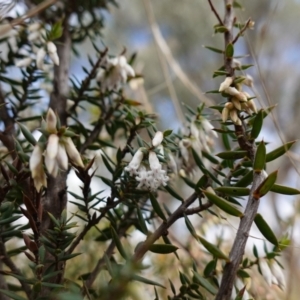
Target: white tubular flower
(225, 84)
(73, 153)
(154, 162)
(208, 127)
(36, 167)
(23, 63)
(183, 147)
(51, 121)
(33, 36)
(51, 153)
(62, 157)
(265, 271)
(158, 138)
(172, 164)
(135, 162)
(278, 274)
(236, 64)
(40, 58)
(231, 91)
(36, 159)
(117, 72)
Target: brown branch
(238, 247)
(215, 12)
(10, 264)
(7, 136)
(163, 228)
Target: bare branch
(9, 263)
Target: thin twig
(215, 12)
(241, 31)
(163, 228)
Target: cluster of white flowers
(59, 149)
(114, 73)
(200, 138)
(41, 47)
(272, 272)
(240, 100)
(153, 177)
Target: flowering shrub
(105, 232)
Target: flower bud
(252, 106)
(34, 26)
(248, 81)
(51, 47)
(51, 121)
(225, 84)
(233, 115)
(158, 138)
(36, 159)
(225, 114)
(154, 161)
(232, 91)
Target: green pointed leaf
(145, 280)
(260, 158)
(245, 180)
(213, 249)
(205, 283)
(27, 134)
(265, 229)
(214, 49)
(12, 295)
(107, 164)
(229, 52)
(240, 294)
(233, 190)
(142, 222)
(162, 248)
(190, 227)
(232, 154)
(279, 151)
(223, 204)
(156, 207)
(265, 186)
(257, 124)
(118, 243)
(285, 190)
(173, 193)
(210, 157)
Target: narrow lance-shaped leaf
(265, 186)
(27, 134)
(232, 154)
(257, 124)
(265, 229)
(279, 151)
(285, 190)
(260, 158)
(11, 295)
(245, 180)
(162, 248)
(156, 207)
(190, 227)
(145, 280)
(223, 204)
(142, 222)
(213, 249)
(233, 190)
(229, 50)
(205, 283)
(118, 243)
(214, 49)
(173, 193)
